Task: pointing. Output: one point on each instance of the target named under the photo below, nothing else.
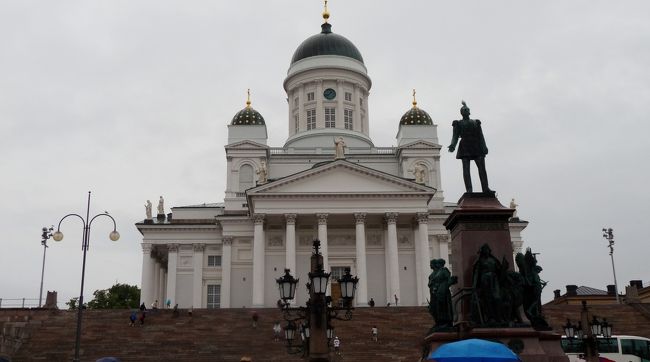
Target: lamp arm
(58, 227)
(103, 214)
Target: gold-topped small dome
(248, 116)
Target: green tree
(119, 296)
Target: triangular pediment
(420, 144)
(246, 145)
(343, 178)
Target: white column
(226, 268)
(340, 96)
(356, 114)
(146, 291)
(172, 263)
(161, 286)
(322, 236)
(443, 247)
(157, 277)
(155, 280)
(419, 277)
(290, 262)
(197, 276)
(423, 236)
(302, 114)
(258, 260)
(320, 112)
(362, 286)
(393, 256)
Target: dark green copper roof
(247, 117)
(416, 117)
(326, 43)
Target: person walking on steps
(337, 345)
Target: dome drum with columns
(377, 210)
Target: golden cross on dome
(415, 103)
(326, 13)
(248, 98)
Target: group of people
(133, 317)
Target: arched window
(245, 178)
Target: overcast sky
(130, 99)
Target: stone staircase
(625, 318)
(227, 334)
(215, 335)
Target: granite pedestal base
(529, 344)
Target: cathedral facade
(377, 210)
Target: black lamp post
(47, 233)
(58, 236)
(589, 339)
(316, 316)
(608, 234)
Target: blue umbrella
(473, 350)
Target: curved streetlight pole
(47, 233)
(608, 234)
(58, 236)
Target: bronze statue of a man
(472, 147)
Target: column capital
(391, 217)
(199, 247)
(258, 218)
(339, 81)
(322, 219)
(291, 218)
(226, 240)
(147, 248)
(360, 217)
(318, 81)
(172, 248)
(422, 217)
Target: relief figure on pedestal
(486, 289)
(532, 289)
(440, 305)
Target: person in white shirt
(374, 332)
(337, 345)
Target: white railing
(18, 302)
(330, 150)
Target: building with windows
(377, 210)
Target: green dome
(416, 117)
(247, 117)
(326, 43)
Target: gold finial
(248, 98)
(326, 13)
(415, 103)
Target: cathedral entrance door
(337, 272)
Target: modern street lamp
(47, 233)
(316, 330)
(588, 339)
(608, 234)
(58, 236)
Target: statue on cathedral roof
(340, 148)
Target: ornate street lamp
(319, 280)
(58, 236)
(589, 339)
(569, 329)
(316, 330)
(287, 285)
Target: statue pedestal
(160, 217)
(479, 219)
(529, 344)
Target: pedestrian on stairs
(276, 331)
(142, 315)
(255, 318)
(337, 345)
(133, 317)
(374, 332)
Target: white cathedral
(377, 210)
